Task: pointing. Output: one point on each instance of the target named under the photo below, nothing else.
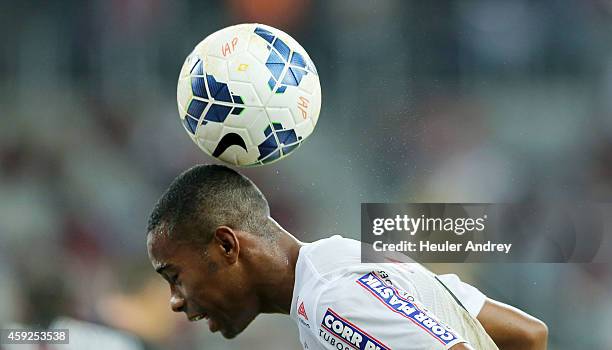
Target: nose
(177, 303)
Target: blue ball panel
(289, 78)
(272, 157)
(267, 35)
(298, 74)
(198, 87)
(213, 85)
(268, 130)
(196, 108)
(237, 99)
(286, 137)
(217, 113)
(198, 68)
(223, 94)
(276, 69)
(191, 124)
(288, 149)
(297, 60)
(271, 82)
(282, 48)
(274, 58)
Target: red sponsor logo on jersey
(302, 311)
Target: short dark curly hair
(205, 197)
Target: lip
(198, 317)
(212, 325)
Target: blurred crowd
(451, 101)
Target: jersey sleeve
(363, 312)
(470, 297)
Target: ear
(227, 242)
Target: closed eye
(174, 279)
(166, 271)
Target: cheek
(209, 292)
(220, 288)
(193, 289)
(227, 292)
(198, 291)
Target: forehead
(161, 249)
(165, 250)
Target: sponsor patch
(400, 304)
(349, 333)
(302, 311)
(332, 340)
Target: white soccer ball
(248, 94)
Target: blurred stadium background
(449, 101)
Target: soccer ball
(248, 94)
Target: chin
(229, 334)
(231, 331)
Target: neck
(274, 268)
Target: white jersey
(340, 303)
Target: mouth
(198, 317)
